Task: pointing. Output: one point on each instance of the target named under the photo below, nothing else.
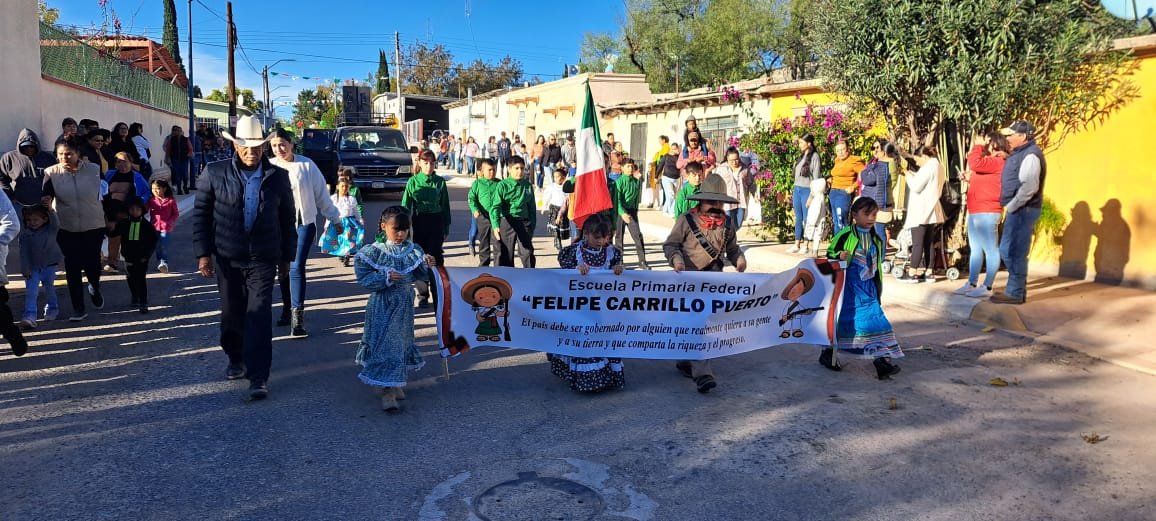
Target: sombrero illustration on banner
(485, 279)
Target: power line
(209, 9)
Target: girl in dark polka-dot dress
(593, 252)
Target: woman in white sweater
(311, 195)
(924, 213)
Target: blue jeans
(45, 276)
(840, 202)
(799, 201)
(163, 247)
(668, 194)
(473, 234)
(305, 236)
(983, 237)
(736, 217)
(470, 166)
(1014, 247)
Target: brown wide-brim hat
(803, 276)
(249, 133)
(713, 188)
(485, 279)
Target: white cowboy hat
(249, 133)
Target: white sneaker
(50, 315)
(794, 249)
(964, 289)
(979, 292)
(163, 267)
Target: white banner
(639, 314)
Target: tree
(171, 40)
(428, 70)
(218, 95)
(312, 105)
(692, 43)
(484, 77)
(976, 63)
(381, 81)
(48, 15)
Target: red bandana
(709, 221)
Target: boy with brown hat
(699, 242)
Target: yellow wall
(1110, 162)
(785, 104)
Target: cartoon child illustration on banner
(489, 297)
(802, 283)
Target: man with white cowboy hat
(244, 231)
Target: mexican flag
(590, 191)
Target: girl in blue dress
(862, 329)
(388, 268)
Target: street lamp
(265, 80)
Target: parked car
(379, 156)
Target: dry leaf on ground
(999, 382)
(988, 329)
(1093, 438)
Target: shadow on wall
(1113, 243)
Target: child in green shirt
(683, 201)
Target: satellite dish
(1129, 9)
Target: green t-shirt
(427, 194)
(682, 202)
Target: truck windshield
(379, 140)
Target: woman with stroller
(924, 213)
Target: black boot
(884, 369)
(285, 318)
(298, 324)
(826, 358)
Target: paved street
(129, 417)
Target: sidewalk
(1099, 320)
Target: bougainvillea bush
(775, 144)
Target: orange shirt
(845, 172)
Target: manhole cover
(535, 498)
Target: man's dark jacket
(219, 215)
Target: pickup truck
(378, 155)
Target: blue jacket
(877, 184)
(219, 215)
(1010, 178)
(140, 185)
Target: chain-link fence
(67, 59)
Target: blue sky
(342, 37)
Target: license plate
(378, 185)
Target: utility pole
(232, 43)
(265, 82)
(397, 60)
(192, 114)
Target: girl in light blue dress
(388, 268)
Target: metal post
(265, 110)
(189, 76)
(232, 88)
(397, 63)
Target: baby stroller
(897, 265)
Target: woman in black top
(668, 168)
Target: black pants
(246, 289)
(135, 271)
(516, 233)
(486, 242)
(922, 239)
(429, 233)
(81, 257)
(8, 327)
(620, 228)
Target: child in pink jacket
(162, 208)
